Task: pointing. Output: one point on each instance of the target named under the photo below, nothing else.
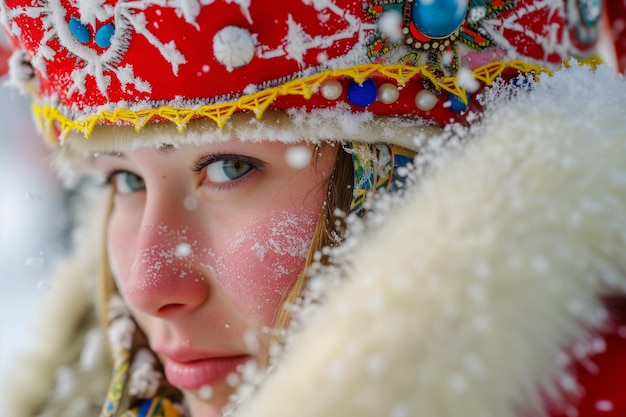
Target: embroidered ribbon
(376, 169)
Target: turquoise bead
(104, 34)
(438, 18)
(80, 31)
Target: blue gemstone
(456, 104)
(80, 31)
(438, 18)
(104, 34)
(362, 94)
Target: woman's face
(204, 242)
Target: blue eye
(125, 182)
(226, 170)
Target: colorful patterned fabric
(153, 407)
(117, 387)
(376, 169)
(134, 391)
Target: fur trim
(75, 157)
(462, 302)
(67, 373)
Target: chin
(199, 407)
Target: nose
(166, 276)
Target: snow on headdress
(94, 62)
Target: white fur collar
(462, 302)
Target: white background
(32, 223)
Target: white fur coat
(460, 299)
(460, 304)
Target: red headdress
(134, 62)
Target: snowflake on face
(434, 28)
(97, 33)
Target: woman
(243, 143)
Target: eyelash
(108, 179)
(198, 166)
(208, 159)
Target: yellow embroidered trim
(259, 102)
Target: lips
(192, 372)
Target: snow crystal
(482, 270)
(298, 41)
(322, 57)
(474, 365)
(457, 382)
(190, 10)
(65, 381)
(476, 14)
(31, 196)
(34, 261)
(374, 303)
(190, 202)
(604, 406)
(466, 80)
(205, 392)
(598, 345)
(482, 324)
(568, 383)
(43, 286)
(232, 379)
(477, 292)
(251, 341)
(336, 369)
(390, 24)
(144, 380)
(183, 250)
(121, 335)
(576, 306)
(319, 4)
(298, 157)
(249, 370)
(447, 58)
(376, 365)
(92, 349)
(399, 410)
(540, 265)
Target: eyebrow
(164, 149)
(112, 154)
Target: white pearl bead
(388, 93)
(331, 89)
(425, 100)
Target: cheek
(261, 261)
(121, 246)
